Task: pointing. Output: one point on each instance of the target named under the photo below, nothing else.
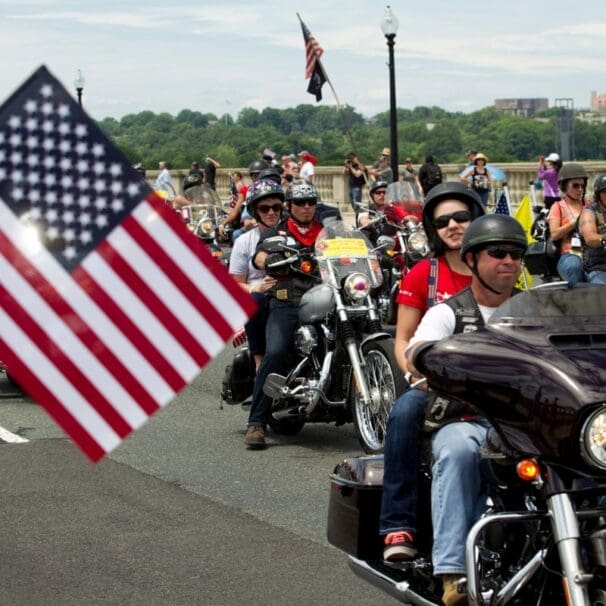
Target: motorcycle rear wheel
(385, 383)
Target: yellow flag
(525, 217)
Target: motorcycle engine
(306, 338)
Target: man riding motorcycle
(301, 228)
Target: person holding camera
(357, 177)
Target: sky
(220, 57)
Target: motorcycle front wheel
(385, 383)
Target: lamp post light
(79, 84)
(389, 25)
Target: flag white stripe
(65, 340)
(146, 321)
(167, 291)
(86, 308)
(52, 378)
(197, 272)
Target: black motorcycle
(343, 367)
(537, 372)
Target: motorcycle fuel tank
(316, 304)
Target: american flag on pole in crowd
(502, 205)
(313, 68)
(113, 306)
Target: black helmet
(260, 189)
(377, 185)
(192, 180)
(571, 170)
(599, 185)
(140, 168)
(450, 190)
(271, 173)
(493, 229)
(301, 190)
(256, 167)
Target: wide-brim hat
(480, 157)
(386, 151)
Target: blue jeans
(596, 277)
(355, 197)
(402, 459)
(456, 492)
(279, 338)
(570, 268)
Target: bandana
(305, 235)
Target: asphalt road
(180, 513)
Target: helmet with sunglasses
(379, 184)
(599, 185)
(259, 190)
(493, 229)
(571, 170)
(450, 190)
(300, 190)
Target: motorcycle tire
(385, 383)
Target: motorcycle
(537, 372)
(398, 231)
(343, 368)
(203, 216)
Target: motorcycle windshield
(402, 201)
(342, 250)
(205, 202)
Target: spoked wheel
(385, 383)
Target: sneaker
(255, 437)
(454, 593)
(399, 546)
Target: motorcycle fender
(375, 336)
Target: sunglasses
(265, 209)
(461, 216)
(381, 192)
(497, 252)
(577, 185)
(304, 202)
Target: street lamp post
(79, 84)
(389, 25)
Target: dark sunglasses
(265, 209)
(497, 252)
(577, 185)
(304, 202)
(380, 192)
(461, 216)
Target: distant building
(598, 103)
(522, 107)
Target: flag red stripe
(75, 323)
(156, 306)
(177, 276)
(40, 393)
(67, 368)
(129, 328)
(201, 251)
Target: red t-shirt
(414, 288)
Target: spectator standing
(210, 170)
(478, 177)
(163, 180)
(307, 163)
(409, 175)
(356, 175)
(381, 170)
(430, 174)
(548, 173)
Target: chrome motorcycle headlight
(356, 286)
(206, 227)
(593, 439)
(418, 242)
(306, 338)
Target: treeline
(148, 137)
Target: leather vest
(594, 259)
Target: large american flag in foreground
(108, 305)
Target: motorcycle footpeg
(274, 386)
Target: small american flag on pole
(313, 68)
(109, 306)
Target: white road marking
(8, 436)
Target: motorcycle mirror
(274, 244)
(384, 242)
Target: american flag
(313, 68)
(109, 306)
(502, 205)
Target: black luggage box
(354, 507)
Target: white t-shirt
(307, 170)
(439, 322)
(240, 261)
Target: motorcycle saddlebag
(354, 507)
(239, 377)
(541, 258)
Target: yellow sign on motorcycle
(345, 247)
